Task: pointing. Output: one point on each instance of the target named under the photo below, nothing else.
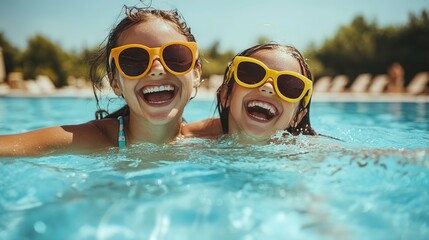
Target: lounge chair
(419, 84)
(32, 87)
(45, 84)
(322, 84)
(379, 84)
(339, 83)
(360, 84)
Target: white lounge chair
(45, 84)
(379, 84)
(322, 84)
(339, 83)
(32, 87)
(361, 83)
(419, 84)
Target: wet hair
(133, 16)
(304, 127)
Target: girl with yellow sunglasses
(151, 60)
(266, 88)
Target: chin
(165, 117)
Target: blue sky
(236, 23)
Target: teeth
(152, 89)
(264, 105)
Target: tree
(351, 50)
(411, 45)
(11, 55)
(364, 47)
(43, 57)
(213, 61)
(263, 39)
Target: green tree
(214, 61)
(46, 58)
(11, 55)
(78, 64)
(262, 40)
(364, 47)
(411, 45)
(316, 66)
(351, 50)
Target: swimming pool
(372, 185)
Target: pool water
(373, 184)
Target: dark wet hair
(133, 16)
(304, 127)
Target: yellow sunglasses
(251, 73)
(135, 60)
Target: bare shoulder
(208, 128)
(106, 128)
(94, 134)
(84, 137)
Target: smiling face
(159, 96)
(259, 112)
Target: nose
(157, 69)
(267, 88)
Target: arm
(208, 128)
(81, 138)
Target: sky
(237, 24)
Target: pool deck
(369, 97)
(206, 94)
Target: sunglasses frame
(273, 74)
(115, 52)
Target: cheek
(187, 83)
(289, 110)
(128, 87)
(126, 84)
(234, 104)
(235, 100)
(236, 97)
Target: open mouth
(261, 111)
(161, 94)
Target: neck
(247, 139)
(140, 130)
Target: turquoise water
(372, 185)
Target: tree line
(359, 47)
(363, 47)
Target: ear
(114, 83)
(301, 115)
(197, 75)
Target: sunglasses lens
(178, 57)
(250, 73)
(290, 86)
(134, 61)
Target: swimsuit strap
(121, 133)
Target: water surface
(374, 184)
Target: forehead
(277, 59)
(152, 33)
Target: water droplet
(40, 227)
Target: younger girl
(266, 88)
(151, 60)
